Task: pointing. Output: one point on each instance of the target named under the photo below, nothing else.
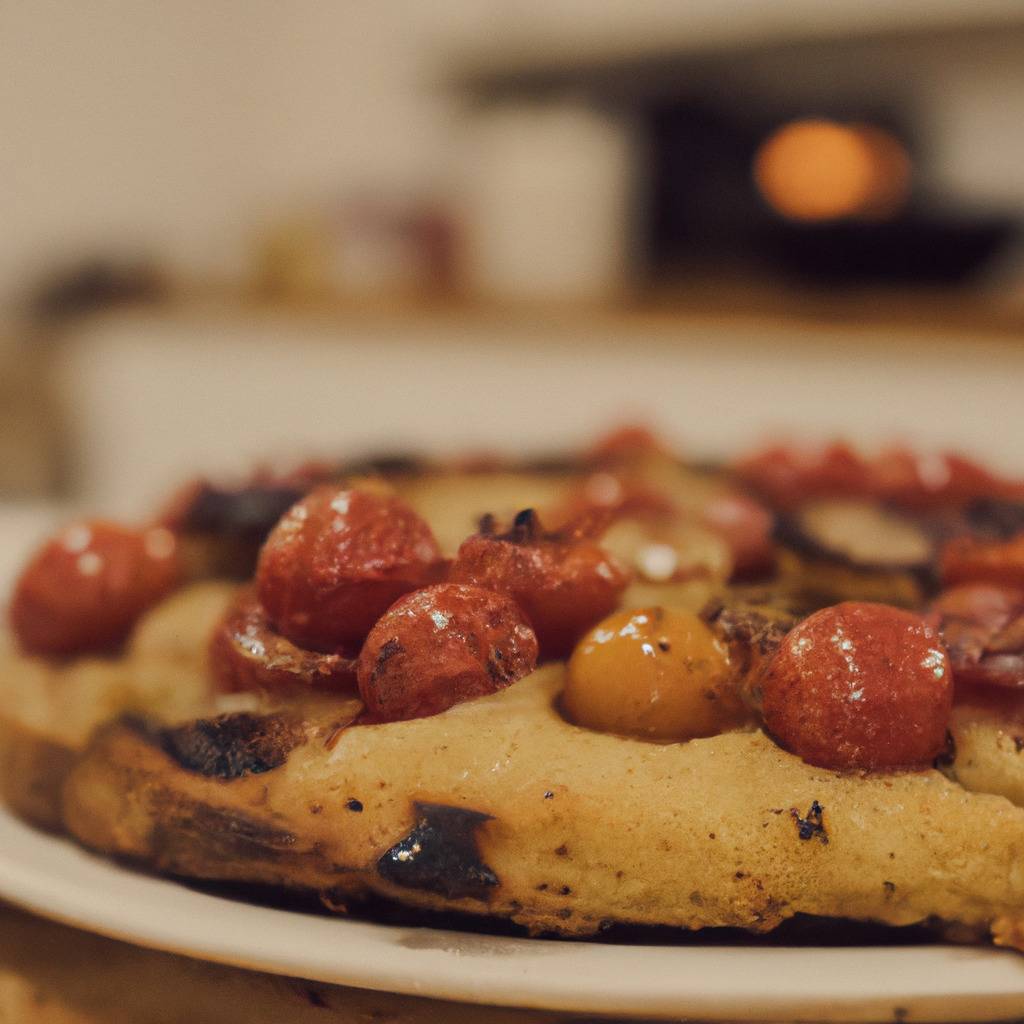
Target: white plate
(927, 983)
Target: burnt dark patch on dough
(811, 826)
(441, 855)
(354, 805)
(232, 746)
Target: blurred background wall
(298, 189)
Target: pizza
(605, 689)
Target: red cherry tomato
(564, 584)
(935, 480)
(247, 654)
(860, 685)
(982, 626)
(85, 588)
(971, 560)
(632, 441)
(337, 560)
(441, 646)
(786, 475)
(746, 525)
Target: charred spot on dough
(441, 855)
(232, 746)
(1018, 743)
(354, 805)
(812, 825)
(890, 888)
(562, 851)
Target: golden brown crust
(561, 829)
(49, 709)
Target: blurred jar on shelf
(547, 202)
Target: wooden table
(52, 974)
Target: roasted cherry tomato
(625, 444)
(441, 646)
(786, 475)
(85, 588)
(746, 526)
(564, 582)
(860, 685)
(656, 673)
(336, 561)
(982, 626)
(971, 560)
(246, 653)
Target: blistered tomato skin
(84, 589)
(860, 686)
(440, 646)
(563, 584)
(655, 673)
(247, 654)
(337, 560)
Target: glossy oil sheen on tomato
(860, 685)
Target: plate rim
(53, 877)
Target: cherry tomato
(973, 560)
(337, 559)
(564, 584)
(860, 685)
(786, 475)
(441, 646)
(656, 673)
(247, 654)
(982, 626)
(85, 588)
(746, 526)
(624, 444)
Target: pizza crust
(557, 828)
(49, 709)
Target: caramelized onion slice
(860, 534)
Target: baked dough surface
(499, 806)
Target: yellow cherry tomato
(657, 673)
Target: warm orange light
(820, 170)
